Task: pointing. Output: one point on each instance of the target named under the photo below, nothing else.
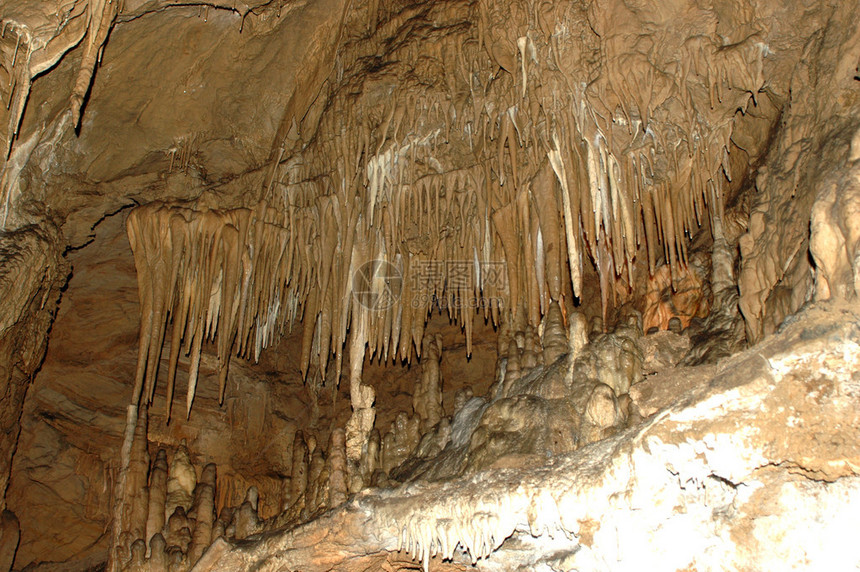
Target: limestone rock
(662, 350)
(10, 535)
(662, 389)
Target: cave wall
(811, 151)
(32, 276)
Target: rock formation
(498, 284)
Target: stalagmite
(204, 512)
(157, 495)
(137, 560)
(427, 396)
(602, 412)
(513, 371)
(176, 561)
(178, 529)
(246, 521)
(337, 468)
(120, 539)
(401, 439)
(181, 480)
(371, 461)
(362, 398)
(158, 554)
(317, 480)
(136, 498)
(578, 334)
(299, 472)
(554, 340)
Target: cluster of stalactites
(641, 158)
(241, 277)
(226, 276)
(534, 167)
(481, 194)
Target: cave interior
(446, 285)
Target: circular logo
(377, 285)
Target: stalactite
(502, 219)
(533, 258)
(574, 257)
